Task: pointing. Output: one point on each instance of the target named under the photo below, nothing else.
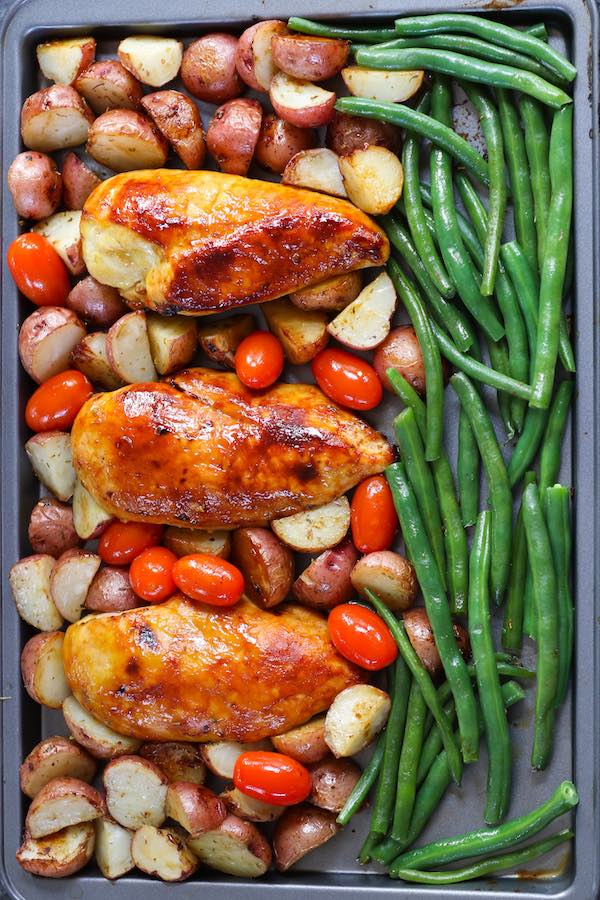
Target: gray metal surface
(332, 870)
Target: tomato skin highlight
(259, 360)
(208, 579)
(361, 636)
(151, 574)
(54, 405)
(373, 518)
(123, 541)
(38, 271)
(347, 379)
(272, 777)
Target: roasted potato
(194, 807)
(373, 178)
(62, 230)
(35, 185)
(43, 672)
(390, 576)
(54, 757)
(54, 118)
(58, 855)
(301, 103)
(152, 60)
(345, 134)
(78, 181)
(208, 68)
(136, 792)
(91, 358)
(89, 518)
(51, 529)
(266, 564)
(354, 718)
(173, 342)
(326, 581)
(107, 84)
(377, 84)
(365, 323)
(96, 738)
(317, 170)
(162, 852)
(420, 634)
(401, 351)
(221, 756)
(46, 340)
(233, 133)
(301, 829)
(50, 456)
(62, 61)
(178, 120)
(254, 54)
(306, 743)
(303, 333)
(123, 139)
(113, 848)
(250, 808)
(279, 141)
(333, 780)
(219, 340)
(70, 581)
(96, 303)
(309, 57)
(183, 541)
(333, 294)
(62, 802)
(316, 529)
(178, 761)
(235, 847)
(128, 348)
(29, 581)
(111, 591)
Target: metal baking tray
(332, 871)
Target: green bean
(553, 436)
(537, 145)
(528, 444)
(406, 789)
(512, 627)
(538, 30)
(487, 866)
(432, 362)
(454, 533)
(433, 744)
(436, 605)
(488, 30)
(555, 257)
(466, 230)
(565, 350)
(559, 529)
(546, 605)
(427, 127)
(498, 352)
(467, 68)
(322, 29)
(468, 470)
(360, 791)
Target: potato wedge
(62, 802)
(233, 134)
(136, 792)
(220, 339)
(254, 54)
(309, 57)
(96, 738)
(162, 852)
(333, 780)
(208, 68)
(183, 541)
(29, 581)
(46, 340)
(107, 84)
(177, 761)
(178, 120)
(306, 743)
(326, 581)
(70, 581)
(279, 141)
(348, 133)
(420, 634)
(50, 456)
(249, 808)
(35, 185)
(98, 304)
(220, 756)
(333, 294)
(54, 757)
(54, 118)
(401, 351)
(303, 333)
(235, 847)
(62, 61)
(173, 342)
(62, 230)
(111, 591)
(301, 829)
(301, 103)
(128, 348)
(374, 179)
(365, 323)
(58, 855)
(194, 807)
(89, 518)
(317, 170)
(377, 84)
(78, 181)
(51, 529)
(390, 576)
(266, 564)
(113, 848)
(316, 529)
(123, 139)
(43, 672)
(91, 358)
(354, 718)
(152, 60)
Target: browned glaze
(185, 671)
(202, 450)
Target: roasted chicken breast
(202, 450)
(196, 242)
(186, 671)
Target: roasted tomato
(123, 541)
(361, 636)
(347, 379)
(208, 579)
(373, 517)
(151, 574)
(259, 360)
(38, 270)
(272, 777)
(55, 404)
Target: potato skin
(46, 755)
(420, 634)
(244, 59)
(333, 294)
(35, 185)
(31, 658)
(111, 591)
(301, 829)
(53, 98)
(266, 563)
(347, 133)
(42, 325)
(219, 340)
(232, 135)
(125, 124)
(278, 141)
(308, 57)
(49, 857)
(389, 575)
(401, 351)
(119, 87)
(78, 181)
(51, 529)
(208, 68)
(305, 743)
(96, 303)
(178, 120)
(333, 780)
(326, 582)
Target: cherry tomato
(373, 518)
(259, 360)
(151, 574)
(272, 777)
(361, 636)
(38, 270)
(55, 404)
(123, 541)
(347, 379)
(208, 579)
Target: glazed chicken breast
(202, 450)
(183, 671)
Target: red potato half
(365, 322)
(355, 717)
(62, 61)
(305, 743)
(249, 808)
(136, 792)
(62, 802)
(254, 54)
(35, 185)
(54, 118)
(178, 761)
(194, 807)
(220, 756)
(58, 855)
(91, 358)
(70, 581)
(89, 518)
(279, 142)
(420, 634)
(183, 541)
(390, 576)
(50, 456)
(316, 529)
(113, 848)
(333, 780)
(235, 847)
(317, 170)
(309, 57)
(62, 230)
(301, 829)
(401, 351)
(178, 120)
(100, 741)
(333, 294)
(208, 68)
(377, 84)
(152, 60)
(373, 178)
(173, 342)
(42, 670)
(46, 340)
(107, 84)
(51, 528)
(128, 348)
(266, 564)
(348, 133)
(327, 580)
(301, 103)
(123, 139)
(111, 591)
(54, 757)
(96, 303)
(78, 181)
(29, 581)
(162, 852)
(233, 133)
(219, 340)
